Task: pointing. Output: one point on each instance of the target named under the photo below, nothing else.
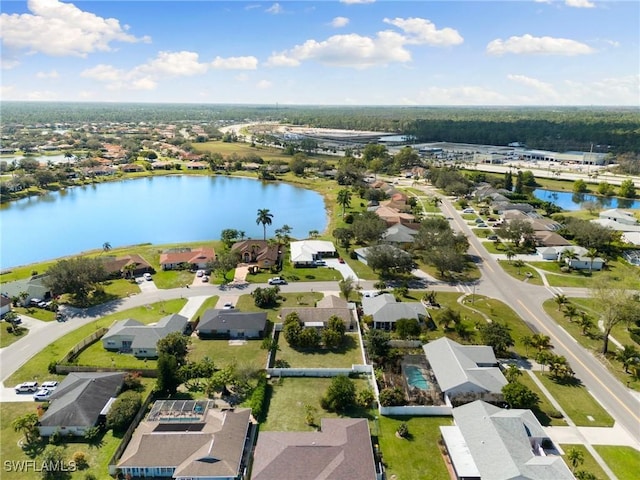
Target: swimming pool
(415, 378)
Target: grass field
(291, 274)
(7, 338)
(417, 456)
(525, 273)
(321, 358)
(624, 461)
(589, 465)
(544, 405)
(288, 399)
(250, 354)
(578, 403)
(36, 368)
(245, 303)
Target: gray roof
(341, 450)
(80, 397)
(332, 301)
(35, 286)
(217, 319)
(399, 233)
(147, 336)
(455, 365)
(384, 308)
(504, 443)
(211, 446)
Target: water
(415, 377)
(153, 209)
(574, 201)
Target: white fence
(319, 372)
(416, 410)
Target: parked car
(42, 394)
(277, 281)
(200, 273)
(26, 387)
(50, 385)
(228, 306)
(147, 277)
(492, 237)
(320, 263)
(205, 279)
(468, 210)
(340, 260)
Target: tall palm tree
(518, 264)
(541, 342)
(585, 322)
(106, 246)
(575, 457)
(27, 424)
(568, 255)
(265, 218)
(344, 199)
(526, 341)
(509, 253)
(561, 300)
(628, 356)
(592, 254)
(570, 312)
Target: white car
(50, 385)
(26, 387)
(42, 394)
(228, 306)
(147, 277)
(200, 273)
(277, 281)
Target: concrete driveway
(344, 268)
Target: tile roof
(196, 255)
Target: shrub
(257, 401)
(132, 381)
(390, 397)
(80, 459)
(9, 329)
(403, 430)
(340, 396)
(123, 410)
(52, 366)
(55, 438)
(554, 414)
(348, 218)
(92, 434)
(90, 476)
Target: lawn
(223, 354)
(417, 456)
(7, 338)
(210, 302)
(37, 367)
(319, 274)
(544, 405)
(578, 403)
(521, 273)
(321, 358)
(583, 278)
(306, 299)
(624, 461)
(289, 396)
(589, 465)
(38, 313)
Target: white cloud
(264, 84)
(61, 29)
(543, 88)
(607, 91)
(463, 95)
(421, 31)
(339, 22)
(7, 62)
(579, 3)
(281, 60)
(179, 64)
(7, 91)
(51, 74)
(41, 96)
(235, 63)
(528, 44)
(356, 2)
(275, 9)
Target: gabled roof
(210, 447)
(34, 286)
(113, 264)
(262, 249)
(80, 397)
(196, 255)
(219, 319)
(306, 250)
(455, 365)
(399, 233)
(341, 450)
(384, 308)
(147, 336)
(332, 301)
(502, 443)
(617, 213)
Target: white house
(620, 216)
(305, 252)
(132, 336)
(5, 305)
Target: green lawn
(521, 274)
(544, 405)
(38, 313)
(210, 302)
(418, 456)
(223, 354)
(245, 303)
(7, 338)
(578, 403)
(583, 278)
(36, 367)
(624, 461)
(589, 465)
(288, 399)
(321, 358)
(319, 274)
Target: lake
(574, 201)
(155, 210)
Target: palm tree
(541, 342)
(265, 218)
(570, 312)
(512, 373)
(585, 322)
(628, 356)
(314, 233)
(509, 253)
(518, 264)
(344, 199)
(592, 254)
(27, 424)
(106, 246)
(568, 255)
(575, 457)
(346, 287)
(447, 317)
(526, 341)
(561, 300)
(241, 235)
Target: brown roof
(112, 265)
(546, 238)
(196, 255)
(331, 301)
(265, 251)
(342, 450)
(210, 447)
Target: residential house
(488, 442)
(132, 265)
(616, 226)
(197, 166)
(132, 167)
(546, 238)
(132, 336)
(28, 289)
(259, 253)
(362, 253)
(79, 402)
(465, 372)
(399, 234)
(619, 216)
(393, 216)
(385, 310)
(326, 308)
(631, 237)
(5, 305)
(304, 253)
(216, 323)
(162, 165)
(341, 450)
(188, 440)
(196, 258)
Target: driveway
(344, 268)
(146, 285)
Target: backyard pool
(415, 377)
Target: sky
(331, 52)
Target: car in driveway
(42, 394)
(320, 263)
(228, 306)
(200, 273)
(49, 385)
(340, 260)
(277, 281)
(147, 277)
(26, 387)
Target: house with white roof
(488, 442)
(465, 372)
(385, 310)
(305, 252)
(619, 216)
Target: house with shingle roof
(132, 264)
(206, 443)
(34, 287)
(221, 323)
(79, 401)
(619, 216)
(341, 450)
(488, 442)
(465, 372)
(193, 258)
(132, 336)
(326, 308)
(385, 310)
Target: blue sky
(349, 52)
